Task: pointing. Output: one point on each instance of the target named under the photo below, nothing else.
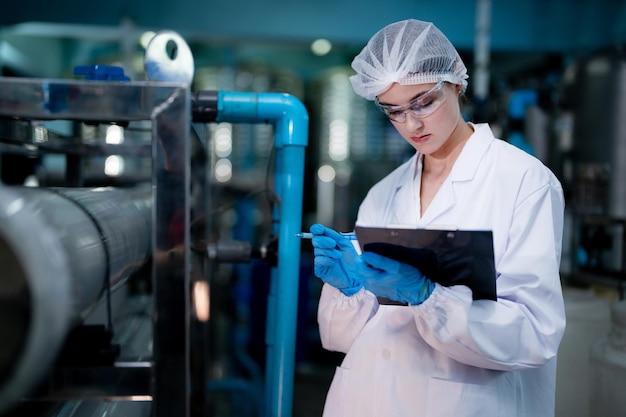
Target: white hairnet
(407, 52)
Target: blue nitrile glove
(336, 259)
(386, 277)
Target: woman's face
(427, 134)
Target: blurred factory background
(549, 75)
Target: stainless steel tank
(60, 250)
(596, 92)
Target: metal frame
(168, 107)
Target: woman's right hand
(336, 260)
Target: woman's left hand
(386, 277)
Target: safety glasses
(421, 106)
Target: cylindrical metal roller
(59, 249)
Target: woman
(434, 351)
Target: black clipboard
(448, 257)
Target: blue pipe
(290, 120)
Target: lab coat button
(386, 354)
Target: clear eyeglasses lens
(421, 106)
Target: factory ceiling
(44, 38)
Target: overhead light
(321, 47)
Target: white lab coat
(451, 356)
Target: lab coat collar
(469, 159)
(403, 202)
(464, 170)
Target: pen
(306, 235)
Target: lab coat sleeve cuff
(341, 317)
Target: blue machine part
(518, 139)
(101, 72)
(290, 120)
(519, 100)
(56, 93)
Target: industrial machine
(106, 289)
(594, 166)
